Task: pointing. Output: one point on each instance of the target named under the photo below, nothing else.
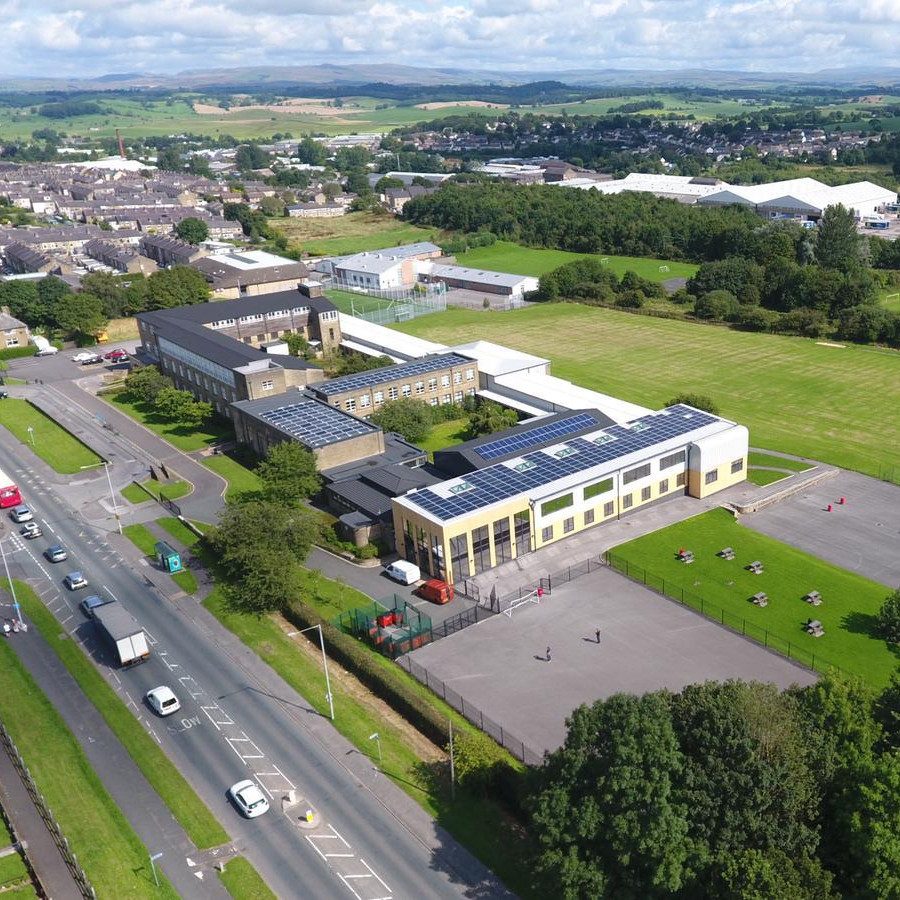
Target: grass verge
(243, 882)
(107, 847)
(145, 540)
(190, 811)
(241, 479)
(755, 458)
(12, 871)
(186, 581)
(762, 477)
(170, 490)
(849, 601)
(61, 450)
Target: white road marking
(48, 525)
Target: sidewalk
(43, 854)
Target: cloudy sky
(94, 37)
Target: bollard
(842, 501)
(828, 508)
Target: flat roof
(390, 373)
(480, 276)
(495, 359)
(537, 473)
(386, 339)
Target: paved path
(43, 854)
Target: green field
(847, 612)
(505, 256)
(762, 477)
(356, 304)
(58, 448)
(352, 233)
(241, 479)
(795, 395)
(445, 434)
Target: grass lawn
(5, 836)
(178, 530)
(445, 434)
(241, 479)
(755, 458)
(351, 233)
(107, 848)
(849, 602)
(170, 490)
(12, 871)
(145, 540)
(183, 438)
(58, 448)
(794, 394)
(762, 477)
(243, 882)
(186, 581)
(505, 256)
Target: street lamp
(112, 496)
(325, 665)
(30, 431)
(377, 738)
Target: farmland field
(795, 395)
(505, 256)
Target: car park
(163, 700)
(22, 514)
(248, 798)
(47, 351)
(31, 530)
(117, 355)
(83, 356)
(56, 554)
(74, 581)
(89, 604)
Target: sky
(96, 37)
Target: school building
(544, 483)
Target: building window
(12, 339)
(457, 377)
(634, 474)
(547, 534)
(458, 397)
(555, 505)
(470, 374)
(420, 387)
(569, 525)
(679, 479)
(445, 399)
(589, 517)
(645, 494)
(432, 384)
(600, 487)
(608, 509)
(712, 476)
(737, 466)
(379, 396)
(392, 393)
(673, 459)
(627, 502)
(664, 486)
(350, 404)
(459, 556)
(406, 390)
(268, 385)
(481, 549)
(364, 400)
(445, 381)
(522, 525)
(502, 541)
(433, 401)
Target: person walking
(548, 654)
(598, 635)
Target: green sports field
(505, 256)
(828, 403)
(352, 233)
(847, 612)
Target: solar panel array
(315, 424)
(535, 437)
(499, 482)
(391, 373)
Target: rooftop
(390, 373)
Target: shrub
(698, 401)
(17, 352)
(888, 619)
(716, 305)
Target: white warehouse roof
(386, 341)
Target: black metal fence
(791, 649)
(502, 736)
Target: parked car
(89, 604)
(92, 360)
(74, 581)
(248, 798)
(47, 351)
(83, 356)
(436, 591)
(22, 514)
(56, 554)
(31, 530)
(163, 700)
(117, 355)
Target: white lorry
(123, 632)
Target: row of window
(259, 317)
(712, 476)
(351, 403)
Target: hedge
(17, 352)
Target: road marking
(48, 525)
(216, 707)
(255, 752)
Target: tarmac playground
(647, 642)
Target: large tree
(412, 419)
(192, 230)
(838, 244)
(489, 417)
(289, 473)
(80, 315)
(178, 286)
(888, 619)
(145, 383)
(181, 408)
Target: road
(239, 720)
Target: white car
(163, 701)
(47, 351)
(248, 798)
(22, 514)
(83, 356)
(75, 581)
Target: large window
(522, 525)
(645, 494)
(547, 534)
(481, 549)
(569, 525)
(589, 517)
(459, 556)
(555, 505)
(634, 474)
(502, 541)
(679, 479)
(673, 459)
(712, 476)
(664, 486)
(737, 466)
(627, 501)
(608, 509)
(600, 487)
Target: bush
(17, 352)
(698, 401)
(888, 619)
(755, 318)
(716, 306)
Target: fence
(515, 745)
(718, 614)
(40, 803)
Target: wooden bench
(760, 599)
(814, 627)
(756, 567)
(813, 597)
(726, 553)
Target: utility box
(169, 558)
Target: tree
(887, 713)
(385, 183)
(272, 206)
(751, 874)
(145, 383)
(169, 159)
(24, 302)
(181, 407)
(297, 344)
(715, 305)
(250, 156)
(192, 230)
(312, 152)
(199, 165)
(838, 245)
(178, 286)
(698, 401)
(289, 473)
(888, 620)
(409, 418)
(358, 182)
(489, 417)
(80, 315)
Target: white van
(403, 571)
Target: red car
(117, 355)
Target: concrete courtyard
(647, 643)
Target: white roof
(803, 193)
(386, 340)
(369, 262)
(246, 260)
(481, 276)
(683, 185)
(116, 163)
(495, 359)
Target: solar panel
(315, 424)
(534, 437)
(391, 373)
(500, 482)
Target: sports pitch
(647, 643)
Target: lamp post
(30, 431)
(112, 496)
(325, 665)
(377, 738)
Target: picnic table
(686, 556)
(814, 627)
(726, 553)
(756, 567)
(813, 597)
(760, 599)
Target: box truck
(124, 633)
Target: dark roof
(367, 378)
(320, 304)
(216, 311)
(221, 275)
(397, 451)
(464, 458)
(372, 489)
